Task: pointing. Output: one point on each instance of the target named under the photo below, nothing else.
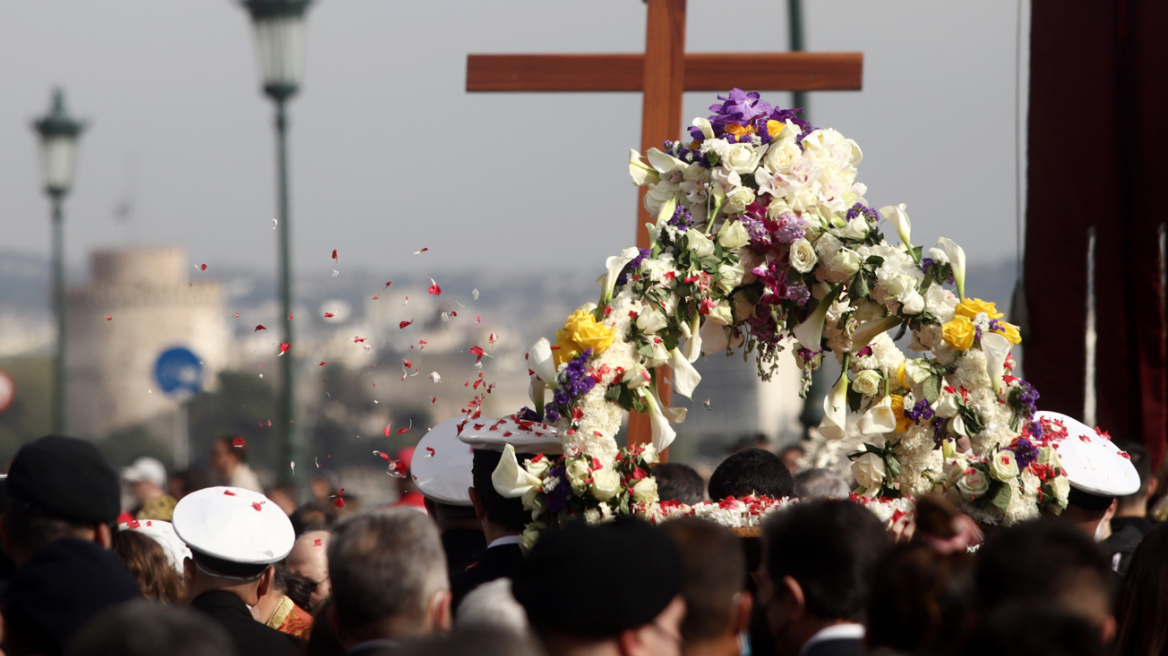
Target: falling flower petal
(237, 443)
(403, 324)
(475, 294)
(434, 288)
(259, 328)
(386, 431)
(329, 315)
(421, 251)
(339, 502)
(334, 253)
(202, 267)
(401, 431)
(478, 352)
(228, 493)
(258, 505)
(435, 378)
(284, 348)
(108, 318)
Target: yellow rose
(582, 332)
(1009, 331)
(900, 374)
(902, 423)
(958, 333)
(971, 307)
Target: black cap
(66, 478)
(629, 571)
(65, 584)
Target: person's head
(717, 605)
(141, 628)
(1047, 561)
(473, 641)
(923, 603)
(146, 478)
(388, 573)
(1143, 603)
(612, 611)
(311, 517)
(812, 484)
(449, 517)
(816, 558)
(185, 481)
(791, 455)
(323, 640)
(308, 560)
(750, 472)
(64, 585)
(58, 487)
(227, 454)
(499, 515)
(1136, 505)
(491, 605)
(147, 562)
(680, 483)
(1035, 629)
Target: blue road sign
(179, 371)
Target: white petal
(641, 173)
(996, 349)
(957, 261)
(511, 480)
(541, 361)
(685, 377)
(663, 433)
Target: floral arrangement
(764, 240)
(746, 512)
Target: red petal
(340, 503)
(403, 324)
(260, 327)
(257, 505)
(228, 493)
(386, 431)
(108, 318)
(430, 449)
(202, 267)
(329, 315)
(237, 442)
(434, 288)
(334, 253)
(316, 543)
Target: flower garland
(764, 240)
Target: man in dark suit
(235, 535)
(441, 471)
(812, 584)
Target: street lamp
(58, 133)
(279, 43)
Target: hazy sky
(390, 154)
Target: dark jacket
(839, 647)
(461, 545)
(250, 637)
(498, 562)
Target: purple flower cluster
(920, 412)
(1024, 400)
(748, 111)
(766, 235)
(938, 430)
(574, 382)
(860, 208)
(681, 219)
(1024, 452)
(527, 414)
(623, 278)
(557, 498)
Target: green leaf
(855, 400)
(1001, 497)
(932, 388)
(859, 287)
(893, 466)
(875, 260)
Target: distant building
(139, 303)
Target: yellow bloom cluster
(959, 333)
(582, 332)
(971, 307)
(902, 423)
(968, 310)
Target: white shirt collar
(505, 540)
(846, 631)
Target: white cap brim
(1092, 463)
(441, 466)
(525, 436)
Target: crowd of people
(197, 569)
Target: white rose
(973, 483)
(948, 405)
(740, 157)
(645, 491)
(733, 235)
(841, 265)
(729, 276)
(592, 516)
(856, 229)
(534, 468)
(782, 154)
(737, 200)
(867, 382)
(578, 472)
(803, 257)
(869, 472)
(954, 467)
(1049, 457)
(699, 243)
(657, 195)
(1061, 488)
(530, 536)
(651, 320)
(912, 303)
(695, 173)
(1003, 465)
(650, 454)
(605, 484)
(637, 376)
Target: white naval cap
(441, 466)
(1091, 461)
(163, 533)
(525, 435)
(233, 531)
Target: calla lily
(641, 173)
(957, 261)
(996, 349)
(663, 162)
(810, 332)
(693, 345)
(511, 480)
(835, 410)
(675, 415)
(615, 265)
(879, 418)
(541, 361)
(663, 433)
(536, 389)
(685, 377)
(704, 125)
(715, 336)
(896, 215)
(867, 331)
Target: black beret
(66, 478)
(63, 585)
(599, 580)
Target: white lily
(511, 480)
(957, 261)
(541, 361)
(879, 418)
(867, 331)
(615, 264)
(675, 415)
(704, 125)
(693, 345)
(536, 389)
(663, 433)
(663, 162)
(810, 332)
(835, 410)
(996, 349)
(641, 173)
(896, 215)
(715, 336)
(685, 377)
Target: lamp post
(58, 133)
(279, 42)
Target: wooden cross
(663, 73)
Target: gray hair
(385, 563)
(491, 606)
(813, 484)
(144, 628)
